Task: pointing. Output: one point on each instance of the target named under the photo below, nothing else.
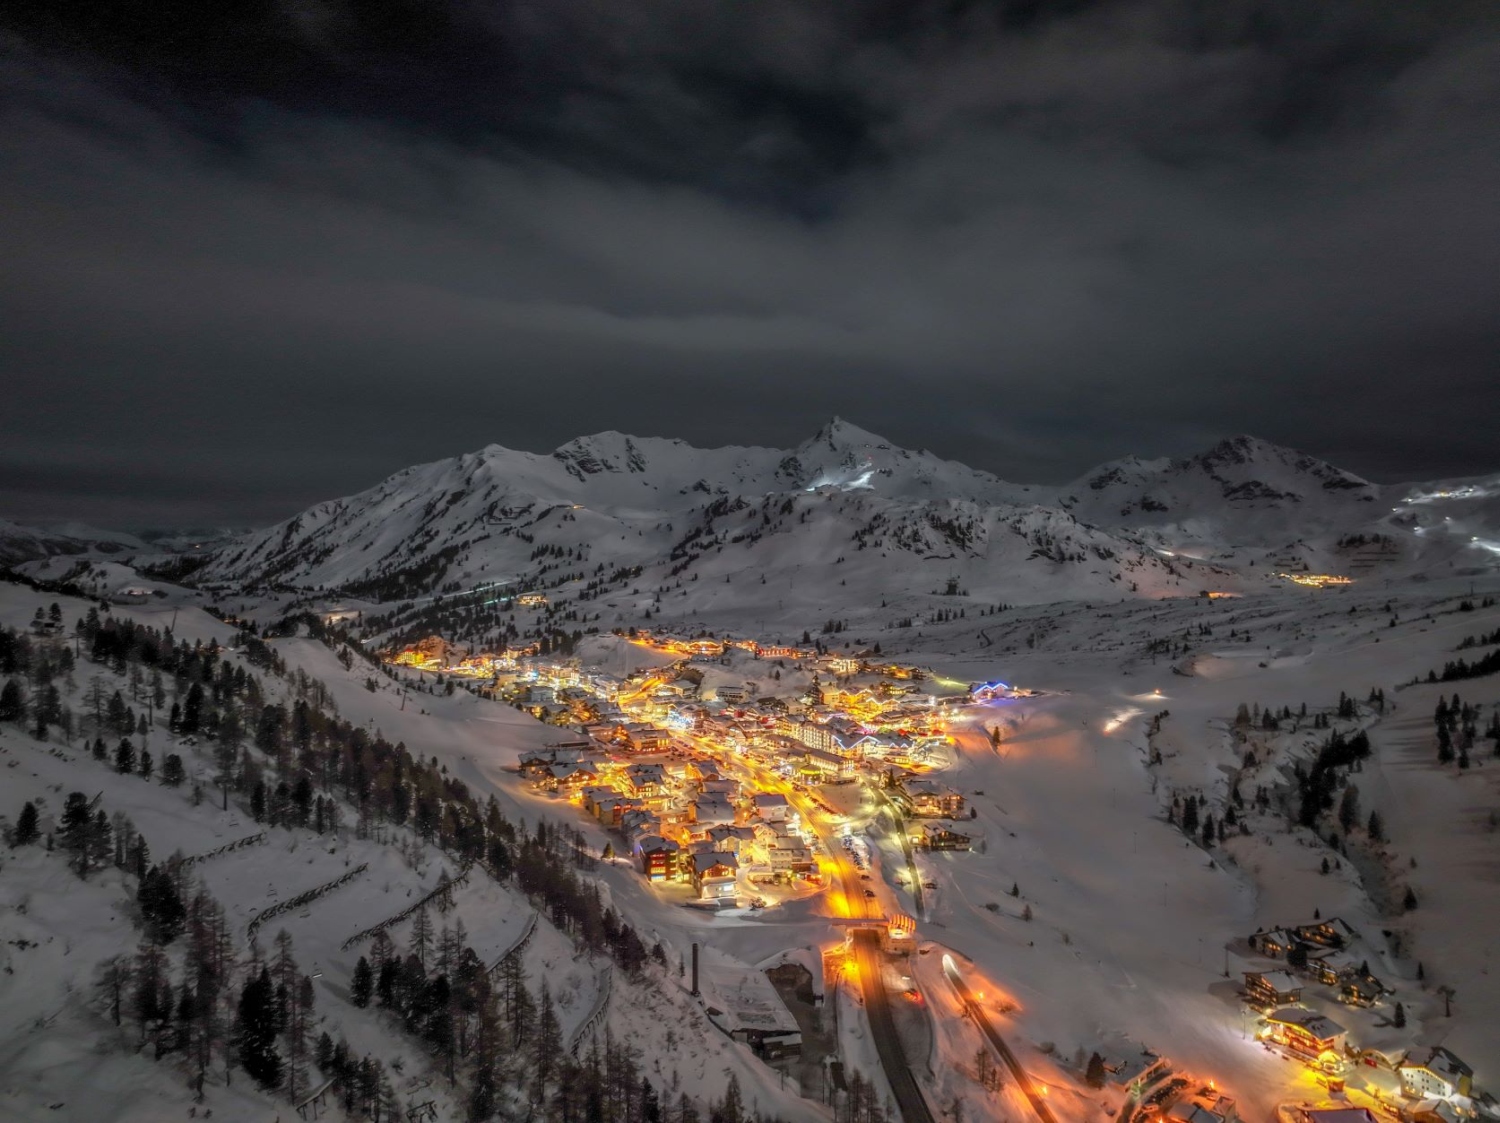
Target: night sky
(264, 260)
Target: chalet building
(712, 811)
(658, 858)
(591, 796)
(1330, 933)
(781, 651)
(937, 836)
(811, 733)
(791, 857)
(645, 738)
(1139, 1068)
(565, 776)
(1305, 1031)
(1436, 1073)
(733, 695)
(824, 765)
(771, 806)
(646, 780)
(1271, 989)
(926, 799)
(1274, 944)
(714, 875)
(637, 823)
(729, 839)
(1362, 989)
(1331, 967)
(131, 594)
(537, 765)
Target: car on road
(869, 892)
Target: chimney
(695, 971)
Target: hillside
(903, 522)
(117, 1007)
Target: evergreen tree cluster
(1456, 723)
(1456, 669)
(1317, 785)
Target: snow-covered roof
(1279, 981)
(708, 859)
(1440, 1062)
(1318, 1025)
(1338, 1115)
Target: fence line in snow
(521, 942)
(463, 875)
(303, 898)
(238, 844)
(596, 1015)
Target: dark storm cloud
(263, 261)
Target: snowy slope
(612, 501)
(1249, 490)
(62, 1058)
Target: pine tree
(172, 771)
(421, 935)
(12, 701)
(151, 995)
(1094, 1075)
(1409, 902)
(1399, 1019)
(546, 1045)
(363, 983)
(26, 831)
(74, 832)
(731, 1108)
(257, 1031)
(1376, 827)
(162, 911)
(124, 756)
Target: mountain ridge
(844, 502)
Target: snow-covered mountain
(25, 543)
(844, 515)
(1245, 488)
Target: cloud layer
(260, 261)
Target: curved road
(982, 1020)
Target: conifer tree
(1094, 1074)
(256, 1031)
(75, 831)
(546, 1045)
(421, 935)
(12, 702)
(26, 831)
(363, 983)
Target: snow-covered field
(1088, 916)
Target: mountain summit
(847, 514)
